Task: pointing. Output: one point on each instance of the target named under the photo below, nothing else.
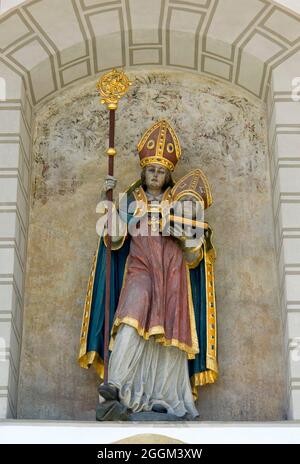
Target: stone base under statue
(113, 410)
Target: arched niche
(47, 47)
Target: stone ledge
(26, 431)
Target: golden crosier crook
(112, 86)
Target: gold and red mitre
(160, 145)
(194, 184)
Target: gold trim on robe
(156, 330)
(86, 359)
(211, 374)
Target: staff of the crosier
(112, 86)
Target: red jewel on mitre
(160, 145)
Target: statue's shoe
(159, 408)
(108, 392)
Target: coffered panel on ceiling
(13, 29)
(107, 28)
(183, 28)
(252, 65)
(229, 21)
(283, 25)
(195, 3)
(285, 72)
(145, 21)
(57, 21)
(89, 4)
(148, 55)
(34, 57)
(217, 67)
(74, 72)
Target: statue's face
(155, 176)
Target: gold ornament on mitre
(194, 184)
(160, 145)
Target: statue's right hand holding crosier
(110, 183)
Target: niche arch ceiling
(54, 43)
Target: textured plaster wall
(223, 131)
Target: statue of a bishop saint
(163, 333)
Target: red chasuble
(156, 295)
